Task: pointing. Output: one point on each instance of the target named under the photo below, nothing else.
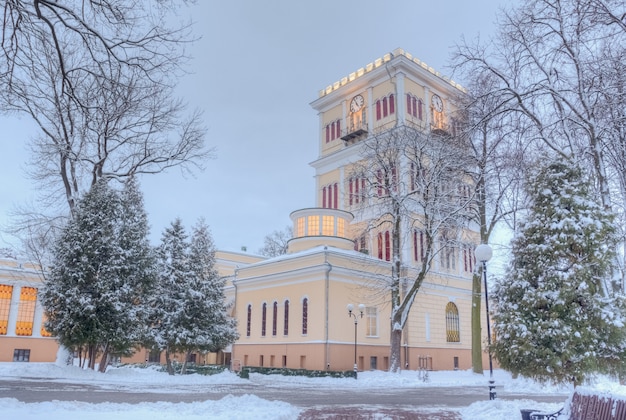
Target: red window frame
(286, 326)
(264, 320)
(305, 316)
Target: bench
(584, 406)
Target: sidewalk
(352, 413)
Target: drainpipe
(329, 267)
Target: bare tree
(276, 243)
(88, 38)
(98, 79)
(410, 183)
(559, 69)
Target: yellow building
(23, 337)
(292, 309)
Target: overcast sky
(256, 69)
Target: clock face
(357, 103)
(437, 103)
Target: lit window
(314, 226)
(43, 331)
(341, 227)
(26, 311)
(5, 305)
(328, 226)
(300, 227)
(452, 323)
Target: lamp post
(483, 253)
(350, 308)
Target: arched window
(274, 318)
(385, 109)
(452, 323)
(392, 105)
(249, 322)
(305, 316)
(286, 326)
(264, 320)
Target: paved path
(432, 403)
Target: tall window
(372, 321)
(448, 257)
(330, 196)
(5, 305)
(452, 323)
(274, 318)
(357, 190)
(468, 258)
(333, 130)
(419, 250)
(305, 316)
(249, 321)
(384, 246)
(264, 319)
(26, 311)
(414, 107)
(385, 106)
(286, 326)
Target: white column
(13, 308)
(400, 99)
(370, 110)
(341, 198)
(427, 100)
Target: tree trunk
(92, 357)
(168, 362)
(183, 369)
(477, 357)
(395, 351)
(104, 360)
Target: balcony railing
(356, 128)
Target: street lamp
(350, 307)
(483, 253)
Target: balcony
(356, 128)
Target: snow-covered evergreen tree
(78, 297)
(553, 320)
(188, 306)
(136, 272)
(103, 266)
(211, 328)
(173, 277)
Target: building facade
(23, 337)
(292, 309)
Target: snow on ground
(130, 379)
